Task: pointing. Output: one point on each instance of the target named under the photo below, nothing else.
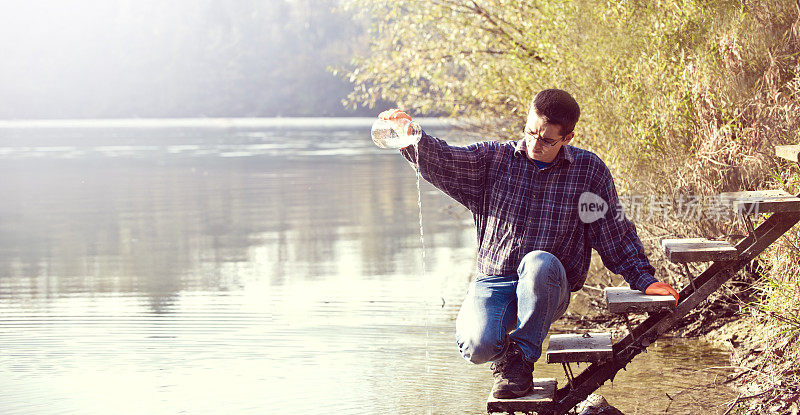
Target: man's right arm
(460, 172)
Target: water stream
(419, 204)
(428, 408)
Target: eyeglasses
(546, 143)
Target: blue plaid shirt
(518, 207)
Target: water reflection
(231, 270)
(166, 223)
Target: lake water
(250, 267)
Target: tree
(661, 84)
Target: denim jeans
(519, 306)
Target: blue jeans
(519, 307)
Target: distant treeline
(149, 58)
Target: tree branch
(450, 56)
(498, 29)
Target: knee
(537, 264)
(479, 348)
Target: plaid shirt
(518, 207)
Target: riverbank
(764, 360)
(766, 378)
(764, 339)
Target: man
(534, 245)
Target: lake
(251, 267)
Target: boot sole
(511, 394)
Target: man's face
(543, 140)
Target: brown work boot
(513, 376)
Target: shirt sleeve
(614, 237)
(460, 172)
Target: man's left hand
(662, 288)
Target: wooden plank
(588, 347)
(626, 300)
(762, 201)
(540, 399)
(698, 250)
(791, 153)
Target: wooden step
(626, 300)
(539, 400)
(698, 250)
(761, 201)
(791, 153)
(587, 347)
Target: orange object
(394, 115)
(662, 288)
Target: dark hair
(557, 106)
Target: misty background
(151, 58)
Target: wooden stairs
(605, 358)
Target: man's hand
(398, 117)
(661, 288)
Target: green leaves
(486, 59)
(656, 80)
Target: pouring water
(400, 133)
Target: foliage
(778, 305)
(660, 83)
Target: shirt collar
(520, 149)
